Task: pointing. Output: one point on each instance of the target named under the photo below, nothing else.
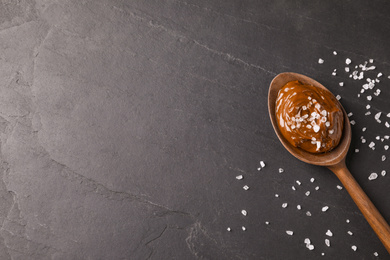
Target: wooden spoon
(334, 160)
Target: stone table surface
(124, 124)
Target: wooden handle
(372, 215)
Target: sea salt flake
(246, 187)
(317, 188)
(383, 158)
(387, 124)
(284, 205)
(312, 180)
(281, 170)
(386, 147)
(289, 232)
(308, 214)
(327, 242)
(299, 207)
(350, 114)
(348, 61)
(368, 107)
(262, 164)
(354, 248)
(311, 247)
(325, 208)
(339, 187)
(364, 129)
(239, 177)
(298, 182)
(367, 113)
(388, 115)
(341, 84)
(347, 70)
(329, 233)
(379, 75)
(307, 241)
(363, 141)
(316, 128)
(352, 122)
(378, 115)
(293, 188)
(243, 212)
(338, 97)
(369, 98)
(320, 61)
(383, 173)
(371, 145)
(307, 193)
(371, 60)
(373, 176)
(350, 233)
(376, 254)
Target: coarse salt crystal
(354, 248)
(284, 205)
(338, 97)
(246, 187)
(379, 75)
(310, 247)
(320, 61)
(350, 233)
(281, 170)
(364, 129)
(239, 177)
(339, 187)
(369, 98)
(373, 176)
(341, 84)
(289, 232)
(243, 212)
(387, 124)
(371, 60)
(334, 52)
(308, 214)
(356, 150)
(316, 128)
(376, 254)
(388, 115)
(317, 188)
(307, 193)
(327, 242)
(325, 208)
(371, 145)
(368, 107)
(243, 228)
(363, 141)
(262, 164)
(229, 229)
(298, 182)
(378, 115)
(352, 122)
(347, 220)
(347, 70)
(329, 233)
(299, 207)
(293, 188)
(367, 113)
(348, 61)
(386, 147)
(383, 173)
(312, 180)
(383, 158)
(350, 114)
(267, 222)
(307, 241)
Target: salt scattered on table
(299, 207)
(339, 187)
(239, 177)
(229, 229)
(284, 205)
(244, 212)
(350, 233)
(376, 254)
(307, 193)
(334, 52)
(348, 61)
(281, 170)
(327, 242)
(289, 232)
(325, 208)
(312, 180)
(329, 233)
(373, 176)
(354, 248)
(317, 188)
(320, 61)
(308, 214)
(246, 187)
(383, 158)
(243, 228)
(338, 97)
(383, 173)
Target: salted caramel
(309, 117)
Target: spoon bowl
(334, 159)
(322, 159)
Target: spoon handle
(372, 215)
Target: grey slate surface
(124, 123)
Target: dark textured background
(124, 123)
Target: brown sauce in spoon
(308, 117)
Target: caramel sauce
(308, 117)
